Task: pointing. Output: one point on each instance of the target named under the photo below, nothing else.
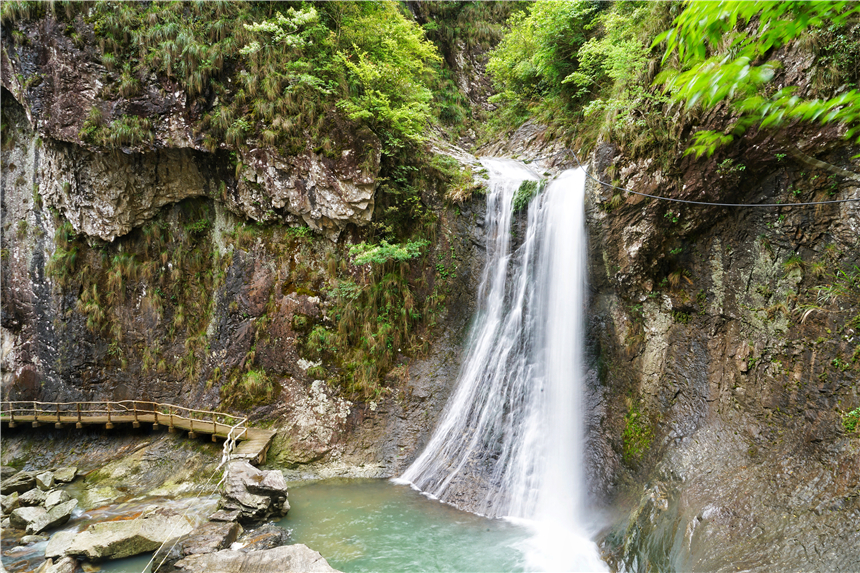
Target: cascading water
(510, 442)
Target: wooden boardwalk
(252, 443)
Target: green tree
(718, 53)
(540, 52)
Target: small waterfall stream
(510, 442)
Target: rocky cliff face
(731, 363)
(188, 296)
(61, 85)
(147, 264)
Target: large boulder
(33, 497)
(257, 494)
(118, 539)
(54, 517)
(9, 502)
(56, 497)
(20, 482)
(64, 565)
(286, 559)
(66, 475)
(6, 472)
(59, 542)
(207, 538)
(22, 517)
(267, 537)
(45, 481)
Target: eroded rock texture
(106, 194)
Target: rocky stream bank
(160, 495)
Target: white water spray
(510, 443)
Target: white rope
(226, 454)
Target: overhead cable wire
(687, 201)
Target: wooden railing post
(135, 424)
(170, 427)
(12, 423)
(80, 424)
(155, 413)
(191, 433)
(109, 425)
(35, 415)
(58, 424)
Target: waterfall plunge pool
(377, 525)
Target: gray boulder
(59, 542)
(33, 497)
(118, 539)
(207, 538)
(22, 517)
(56, 497)
(224, 515)
(20, 482)
(286, 559)
(28, 539)
(267, 537)
(65, 475)
(64, 565)
(54, 517)
(7, 472)
(257, 495)
(45, 481)
(9, 502)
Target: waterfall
(510, 442)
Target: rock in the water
(64, 565)
(22, 517)
(5, 523)
(54, 517)
(28, 539)
(118, 539)
(33, 497)
(207, 538)
(267, 537)
(257, 494)
(65, 475)
(59, 542)
(286, 559)
(224, 515)
(6, 472)
(56, 497)
(9, 502)
(45, 481)
(20, 482)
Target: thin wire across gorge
(587, 174)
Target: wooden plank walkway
(252, 443)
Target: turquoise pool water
(376, 525)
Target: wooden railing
(134, 411)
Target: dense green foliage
(275, 71)
(455, 27)
(527, 191)
(720, 51)
(588, 69)
(637, 434)
(582, 68)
